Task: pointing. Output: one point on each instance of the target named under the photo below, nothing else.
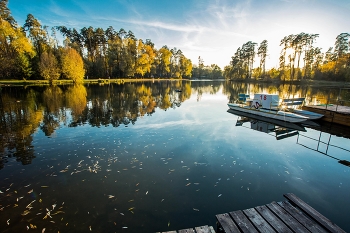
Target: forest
(33, 52)
(299, 60)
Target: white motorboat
(269, 113)
(265, 105)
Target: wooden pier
(332, 113)
(293, 215)
(202, 229)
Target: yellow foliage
(15, 38)
(76, 99)
(328, 67)
(72, 65)
(53, 99)
(48, 66)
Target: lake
(159, 156)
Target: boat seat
(293, 101)
(243, 97)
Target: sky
(211, 29)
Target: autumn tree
(72, 65)
(185, 67)
(163, 57)
(15, 49)
(48, 67)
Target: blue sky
(210, 29)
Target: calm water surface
(170, 168)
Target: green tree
(262, 53)
(5, 13)
(341, 47)
(37, 34)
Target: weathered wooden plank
(242, 222)
(325, 222)
(204, 229)
(288, 219)
(258, 221)
(307, 222)
(227, 224)
(272, 219)
(339, 116)
(190, 230)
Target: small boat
(265, 105)
(248, 117)
(269, 113)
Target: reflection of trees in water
(23, 110)
(200, 87)
(20, 117)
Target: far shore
(14, 82)
(85, 81)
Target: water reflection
(276, 128)
(321, 143)
(146, 157)
(26, 109)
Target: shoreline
(320, 83)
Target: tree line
(299, 60)
(32, 52)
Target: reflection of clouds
(164, 124)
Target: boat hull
(308, 114)
(277, 115)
